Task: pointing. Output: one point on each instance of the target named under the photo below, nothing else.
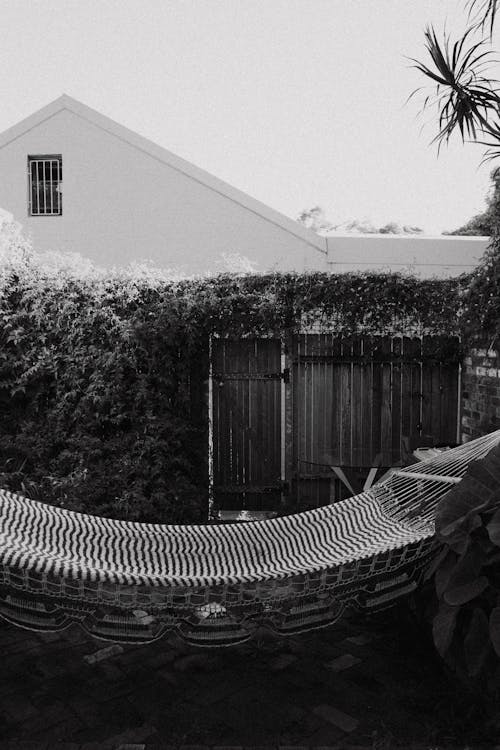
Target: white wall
(425, 256)
(121, 204)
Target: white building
(78, 181)
(424, 256)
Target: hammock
(216, 585)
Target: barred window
(45, 185)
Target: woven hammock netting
(217, 584)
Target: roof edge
(36, 118)
(379, 236)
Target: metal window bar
(45, 177)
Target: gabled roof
(66, 102)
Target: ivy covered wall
(103, 379)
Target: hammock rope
(215, 585)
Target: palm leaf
(486, 11)
(464, 97)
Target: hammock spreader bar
(435, 477)
(215, 585)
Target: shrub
(99, 380)
(481, 297)
(466, 573)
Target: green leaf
(462, 535)
(494, 529)
(443, 573)
(436, 562)
(486, 472)
(485, 15)
(459, 595)
(464, 500)
(443, 627)
(464, 97)
(465, 582)
(495, 629)
(477, 645)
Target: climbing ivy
(481, 297)
(103, 376)
(349, 303)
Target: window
(45, 185)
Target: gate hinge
(285, 375)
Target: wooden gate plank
(335, 422)
(439, 409)
(427, 396)
(386, 402)
(448, 381)
(376, 378)
(449, 384)
(321, 447)
(368, 454)
(406, 392)
(396, 389)
(346, 405)
(246, 422)
(357, 400)
(415, 352)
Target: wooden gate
(327, 420)
(246, 424)
(363, 404)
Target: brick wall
(480, 393)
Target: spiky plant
(466, 99)
(483, 13)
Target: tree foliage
(465, 95)
(487, 223)
(314, 218)
(468, 101)
(466, 574)
(96, 391)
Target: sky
(296, 102)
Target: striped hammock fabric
(215, 585)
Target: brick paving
(362, 684)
